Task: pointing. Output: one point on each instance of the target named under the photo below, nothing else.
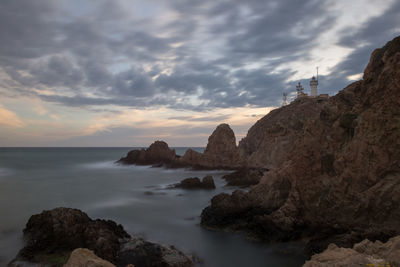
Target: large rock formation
(156, 154)
(221, 153)
(334, 165)
(64, 229)
(365, 253)
(53, 234)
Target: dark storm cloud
(26, 29)
(119, 59)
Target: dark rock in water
(334, 163)
(53, 234)
(143, 253)
(221, 153)
(208, 182)
(244, 177)
(157, 154)
(195, 183)
(64, 229)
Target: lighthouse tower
(314, 86)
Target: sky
(129, 72)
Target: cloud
(9, 118)
(180, 54)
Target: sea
(138, 197)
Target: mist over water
(36, 179)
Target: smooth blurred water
(35, 179)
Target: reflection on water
(135, 196)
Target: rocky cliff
(334, 165)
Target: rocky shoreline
(333, 182)
(334, 165)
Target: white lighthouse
(314, 86)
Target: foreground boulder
(334, 165)
(365, 253)
(64, 229)
(83, 257)
(51, 236)
(196, 183)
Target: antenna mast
(284, 100)
(317, 73)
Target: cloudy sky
(128, 72)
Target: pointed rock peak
(221, 141)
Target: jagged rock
(157, 153)
(365, 253)
(244, 177)
(195, 183)
(83, 257)
(334, 164)
(51, 236)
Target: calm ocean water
(35, 179)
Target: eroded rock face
(334, 163)
(365, 253)
(53, 234)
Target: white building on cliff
(314, 86)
